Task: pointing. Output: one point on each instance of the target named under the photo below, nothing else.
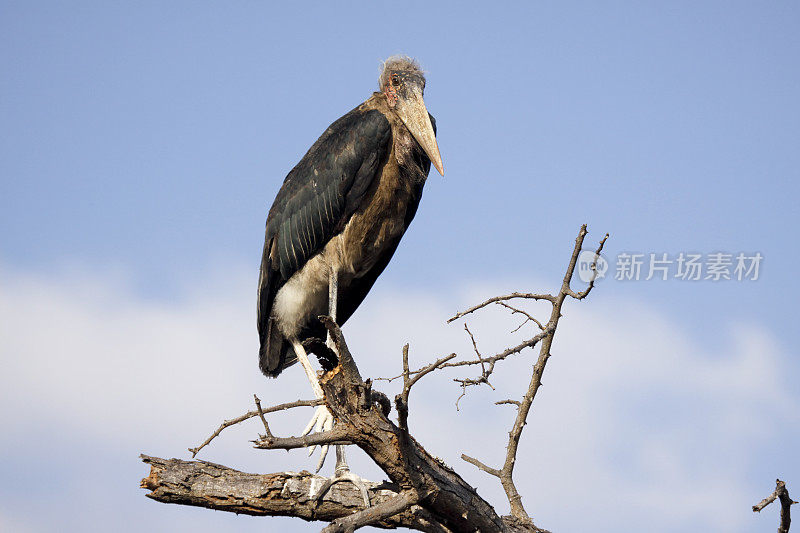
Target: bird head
(403, 83)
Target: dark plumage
(343, 209)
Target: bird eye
(395, 80)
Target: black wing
(315, 202)
(359, 287)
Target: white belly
(305, 295)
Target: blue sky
(142, 146)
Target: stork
(337, 221)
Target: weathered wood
(213, 486)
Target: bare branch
(337, 435)
(523, 407)
(782, 493)
(490, 361)
(401, 400)
(526, 295)
(429, 368)
(376, 513)
(203, 484)
(483, 378)
(268, 433)
(528, 316)
(584, 293)
(488, 469)
(426, 369)
(233, 421)
(475, 347)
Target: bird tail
(276, 352)
(270, 354)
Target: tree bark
(213, 486)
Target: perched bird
(338, 219)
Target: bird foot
(344, 474)
(321, 421)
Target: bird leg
(322, 419)
(342, 470)
(343, 473)
(333, 297)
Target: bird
(338, 219)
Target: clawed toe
(321, 421)
(344, 475)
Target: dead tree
(423, 493)
(781, 493)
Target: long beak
(414, 115)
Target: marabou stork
(337, 220)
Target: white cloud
(637, 423)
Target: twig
(233, 421)
(492, 361)
(528, 316)
(483, 378)
(488, 469)
(781, 493)
(426, 369)
(527, 295)
(475, 347)
(502, 355)
(584, 293)
(268, 433)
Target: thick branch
(452, 501)
(203, 484)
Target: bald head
(403, 84)
(398, 70)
